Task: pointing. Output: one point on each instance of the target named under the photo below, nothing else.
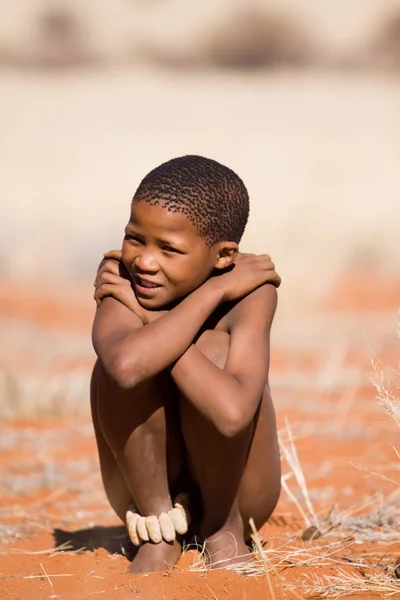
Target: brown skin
(180, 398)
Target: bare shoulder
(257, 308)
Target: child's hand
(113, 280)
(249, 272)
(111, 263)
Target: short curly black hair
(209, 194)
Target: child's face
(164, 254)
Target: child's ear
(227, 252)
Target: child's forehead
(156, 216)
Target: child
(179, 394)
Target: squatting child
(182, 412)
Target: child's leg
(239, 477)
(139, 460)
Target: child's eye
(133, 238)
(170, 249)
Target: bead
(167, 527)
(131, 519)
(153, 529)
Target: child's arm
(229, 397)
(132, 353)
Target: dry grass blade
(293, 498)
(376, 474)
(54, 575)
(257, 543)
(212, 593)
(49, 580)
(50, 551)
(290, 453)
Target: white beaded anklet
(154, 529)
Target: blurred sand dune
(62, 32)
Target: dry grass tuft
(381, 524)
(387, 384)
(53, 395)
(345, 583)
(287, 556)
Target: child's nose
(146, 261)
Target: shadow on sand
(113, 539)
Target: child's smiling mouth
(145, 286)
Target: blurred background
(301, 99)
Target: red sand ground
(51, 493)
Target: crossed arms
(132, 349)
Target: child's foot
(155, 557)
(224, 548)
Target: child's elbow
(234, 423)
(123, 374)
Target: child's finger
(112, 269)
(107, 277)
(115, 254)
(120, 293)
(273, 277)
(276, 280)
(104, 290)
(107, 266)
(105, 261)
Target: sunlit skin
(183, 359)
(163, 249)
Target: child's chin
(150, 303)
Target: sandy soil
(51, 493)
